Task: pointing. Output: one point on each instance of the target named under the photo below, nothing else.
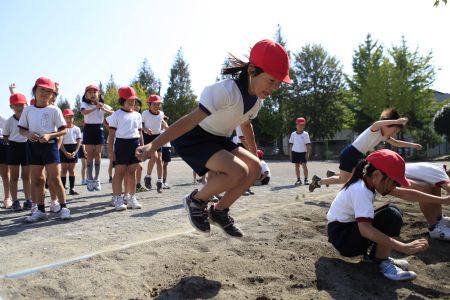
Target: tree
(147, 80)
(111, 94)
(441, 121)
(78, 117)
(63, 103)
(179, 99)
(140, 92)
(318, 88)
(437, 2)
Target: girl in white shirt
(203, 138)
(93, 109)
(389, 125)
(125, 135)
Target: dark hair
(100, 98)
(139, 102)
(121, 101)
(391, 114)
(363, 167)
(239, 70)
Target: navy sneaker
(16, 205)
(222, 219)
(27, 204)
(159, 186)
(197, 212)
(148, 182)
(314, 183)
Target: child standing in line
(389, 125)
(299, 148)
(265, 171)
(153, 123)
(93, 109)
(125, 132)
(4, 171)
(202, 138)
(69, 150)
(17, 152)
(353, 224)
(38, 123)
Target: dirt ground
(154, 252)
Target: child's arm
(111, 137)
(12, 88)
(78, 147)
(290, 151)
(378, 124)
(164, 125)
(44, 138)
(86, 111)
(141, 138)
(403, 144)
(249, 136)
(417, 196)
(307, 151)
(175, 130)
(371, 233)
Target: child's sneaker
(126, 198)
(159, 187)
(16, 205)
(113, 200)
(73, 193)
(55, 207)
(96, 185)
(119, 205)
(64, 214)
(440, 231)
(298, 182)
(165, 186)
(27, 204)
(330, 173)
(306, 182)
(83, 182)
(90, 185)
(222, 219)
(391, 271)
(133, 203)
(314, 183)
(33, 208)
(401, 263)
(148, 182)
(36, 216)
(7, 203)
(197, 212)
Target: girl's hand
(33, 137)
(417, 146)
(402, 121)
(415, 246)
(44, 138)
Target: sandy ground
(154, 253)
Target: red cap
(272, 58)
(154, 99)
(260, 153)
(91, 87)
(300, 121)
(17, 99)
(68, 112)
(127, 93)
(33, 101)
(45, 83)
(390, 163)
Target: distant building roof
(441, 96)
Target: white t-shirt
(73, 134)
(95, 117)
(12, 131)
(352, 204)
(299, 141)
(426, 172)
(265, 168)
(127, 124)
(2, 124)
(224, 103)
(153, 122)
(367, 140)
(42, 120)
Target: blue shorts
(125, 149)
(17, 154)
(69, 148)
(150, 138)
(3, 152)
(42, 154)
(166, 154)
(197, 146)
(93, 134)
(349, 158)
(298, 157)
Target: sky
(78, 43)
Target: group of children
(202, 140)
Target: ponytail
(362, 168)
(239, 70)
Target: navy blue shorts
(3, 152)
(197, 146)
(349, 158)
(42, 154)
(166, 154)
(125, 151)
(69, 148)
(347, 239)
(298, 157)
(81, 152)
(150, 138)
(17, 154)
(93, 134)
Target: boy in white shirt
(299, 145)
